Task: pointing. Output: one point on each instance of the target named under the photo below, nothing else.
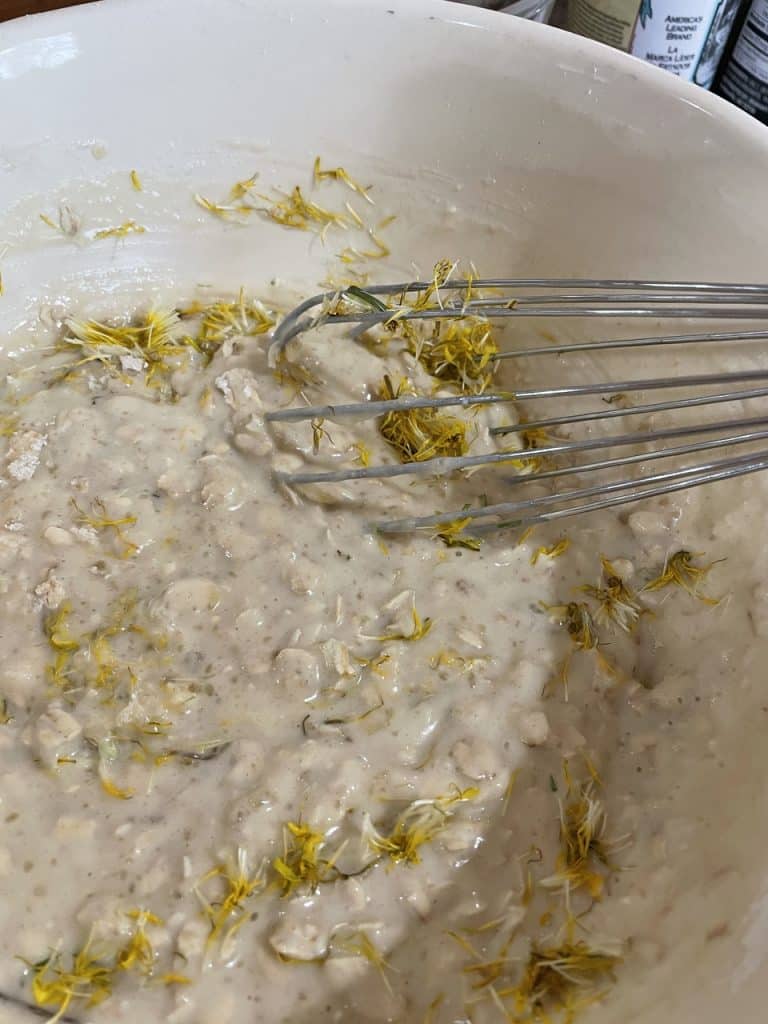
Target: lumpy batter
(257, 764)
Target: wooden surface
(15, 8)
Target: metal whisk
(543, 298)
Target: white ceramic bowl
(529, 150)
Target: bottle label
(745, 80)
(685, 37)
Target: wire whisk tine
(692, 298)
(490, 299)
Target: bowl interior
(519, 147)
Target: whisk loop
(579, 299)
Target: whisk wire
(636, 298)
(524, 513)
(552, 298)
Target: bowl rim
(554, 42)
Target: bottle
(686, 37)
(533, 10)
(743, 75)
